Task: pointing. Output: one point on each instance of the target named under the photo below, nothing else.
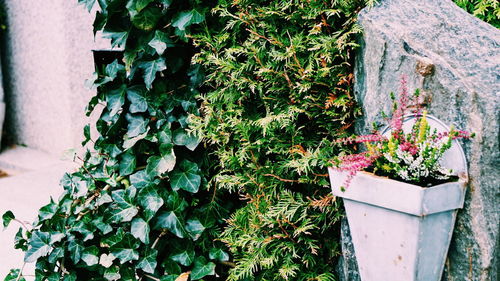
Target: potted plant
(401, 194)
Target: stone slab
(454, 59)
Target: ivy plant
(139, 208)
(278, 93)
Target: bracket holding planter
(402, 231)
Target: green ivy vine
(140, 207)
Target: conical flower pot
(400, 231)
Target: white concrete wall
(48, 58)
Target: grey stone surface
(454, 59)
(48, 57)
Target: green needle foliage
(278, 93)
(139, 207)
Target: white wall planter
(401, 231)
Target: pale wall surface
(48, 58)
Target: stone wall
(47, 59)
(455, 59)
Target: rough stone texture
(48, 57)
(455, 59)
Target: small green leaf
(112, 274)
(150, 201)
(147, 18)
(86, 134)
(186, 177)
(137, 97)
(218, 255)
(185, 257)
(13, 274)
(75, 251)
(118, 38)
(136, 125)
(39, 246)
(168, 220)
(126, 250)
(148, 263)
(202, 268)
(140, 230)
(194, 228)
(187, 18)
(7, 217)
(140, 179)
(90, 256)
(135, 6)
(47, 211)
(115, 100)
(158, 165)
(160, 42)
(87, 3)
(181, 137)
(122, 209)
(150, 69)
(56, 254)
(127, 163)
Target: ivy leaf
(136, 125)
(113, 69)
(87, 3)
(147, 18)
(148, 263)
(7, 217)
(126, 250)
(135, 6)
(160, 42)
(90, 256)
(39, 246)
(56, 254)
(194, 228)
(127, 164)
(140, 179)
(202, 268)
(112, 240)
(122, 210)
(184, 19)
(168, 220)
(75, 251)
(115, 100)
(150, 68)
(186, 177)
(13, 274)
(140, 230)
(118, 38)
(86, 134)
(47, 211)
(112, 274)
(70, 277)
(218, 254)
(158, 165)
(99, 223)
(181, 137)
(150, 201)
(185, 257)
(137, 97)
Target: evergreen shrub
(278, 93)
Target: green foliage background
(278, 93)
(487, 10)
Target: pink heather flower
(397, 117)
(354, 163)
(361, 139)
(410, 147)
